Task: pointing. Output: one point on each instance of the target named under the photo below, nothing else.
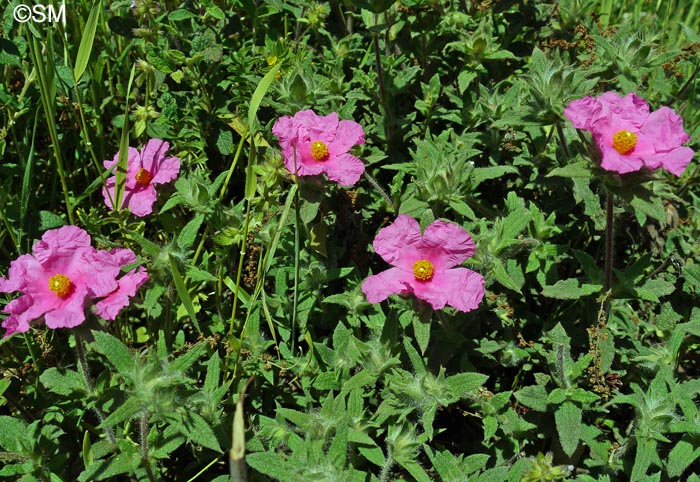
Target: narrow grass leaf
(258, 96)
(87, 41)
(183, 293)
(123, 158)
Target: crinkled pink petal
(19, 273)
(434, 291)
(349, 134)
(467, 288)
(141, 201)
(162, 169)
(70, 312)
(674, 161)
(665, 129)
(16, 323)
(318, 128)
(392, 240)
(344, 169)
(630, 110)
(620, 163)
(582, 112)
(98, 274)
(287, 130)
(460, 288)
(446, 244)
(378, 287)
(122, 256)
(28, 308)
(109, 307)
(133, 158)
(169, 170)
(302, 168)
(64, 239)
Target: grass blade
(123, 150)
(184, 294)
(87, 41)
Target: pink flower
(63, 277)
(312, 145)
(143, 171)
(629, 136)
(424, 265)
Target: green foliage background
(257, 273)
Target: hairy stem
(386, 470)
(90, 385)
(607, 281)
(143, 428)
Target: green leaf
(534, 397)
(654, 288)
(184, 362)
(308, 211)
(258, 95)
(691, 275)
(337, 452)
(9, 53)
(87, 41)
(570, 289)
(119, 355)
(515, 222)
(497, 474)
(122, 463)
(580, 169)
(481, 174)
(272, 465)
(645, 456)
(421, 330)
(49, 220)
(183, 293)
(181, 14)
(680, 457)
(502, 276)
(197, 430)
(123, 157)
(568, 422)
(416, 471)
(13, 432)
(132, 408)
(360, 379)
(463, 383)
(63, 383)
(188, 234)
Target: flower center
(423, 270)
(60, 284)
(624, 141)
(319, 151)
(143, 177)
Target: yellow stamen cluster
(423, 270)
(60, 284)
(624, 141)
(143, 177)
(319, 151)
